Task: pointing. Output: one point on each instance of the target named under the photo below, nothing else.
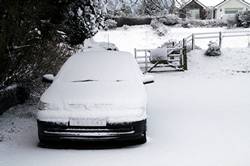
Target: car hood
(96, 95)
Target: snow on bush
(203, 23)
(231, 21)
(110, 24)
(213, 49)
(158, 54)
(172, 44)
(159, 27)
(244, 19)
(91, 44)
(125, 27)
(170, 19)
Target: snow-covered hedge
(213, 49)
(202, 23)
(131, 20)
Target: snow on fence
(217, 35)
(176, 58)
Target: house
(193, 9)
(229, 8)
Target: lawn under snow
(196, 118)
(143, 37)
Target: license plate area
(91, 122)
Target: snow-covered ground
(198, 117)
(143, 36)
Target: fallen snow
(199, 117)
(144, 37)
(99, 84)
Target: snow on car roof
(100, 65)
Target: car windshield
(110, 66)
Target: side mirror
(48, 78)
(148, 79)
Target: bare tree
(153, 7)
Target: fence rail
(217, 35)
(175, 60)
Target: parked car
(96, 96)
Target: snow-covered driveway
(196, 118)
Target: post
(184, 52)
(193, 41)
(248, 36)
(220, 39)
(146, 62)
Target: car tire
(142, 139)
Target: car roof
(100, 65)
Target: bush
(213, 49)
(12, 95)
(232, 21)
(36, 37)
(159, 27)
(203, 23)
(158, 54)
(244, 19)
(170, 19)
(110, 24)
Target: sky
(214, 2)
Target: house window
(194, 14)
(232, 10)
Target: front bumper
(132, 131)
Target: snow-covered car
(96, 96)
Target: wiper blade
(84, 81)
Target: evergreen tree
(34, 35)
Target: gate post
(184, 52)
(193, 41)
(220, 39)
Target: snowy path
(192, 122)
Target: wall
(220, 11)
(190, 6)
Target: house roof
(225, 1)
(201, 4)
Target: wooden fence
(216, 35)
(181, 57)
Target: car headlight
(46, 106)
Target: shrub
(231, 21)
(213, 49)
(159, 27)
(244, 19)
(170, 19)
(110, 24)
(203, 23)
